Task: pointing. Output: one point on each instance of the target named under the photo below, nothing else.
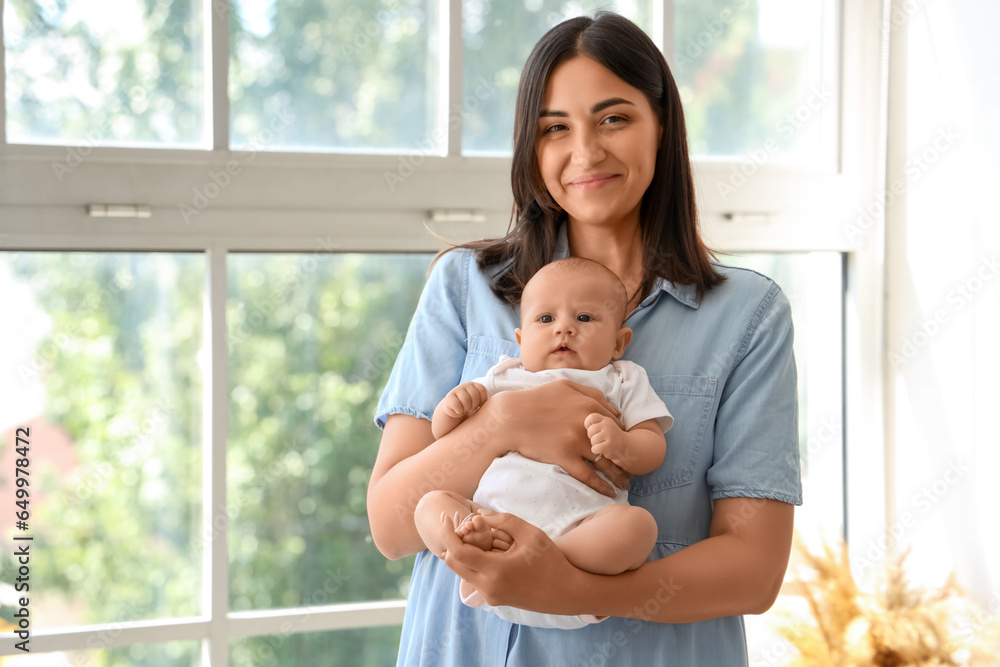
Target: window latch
(119, 211)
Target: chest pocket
(690, 400)
(484, 352)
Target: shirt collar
(686, 294)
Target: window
(110, 353)
(758, 79)
(131, 76)
(343, 76)
(214, 216)
(311, 343)
(107, 366)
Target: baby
(572, 312)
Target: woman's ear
(621, 342)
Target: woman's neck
(618, 248)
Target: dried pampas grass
(892, 625)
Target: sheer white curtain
(943, 286)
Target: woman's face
(597, 143)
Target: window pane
(498, 36)
(758, 79)
(82, 72)
(100, 363)
(352, 75)
(171, 654)
(813, 283)
(312, 341)
(370, 647)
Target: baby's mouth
(563, 348)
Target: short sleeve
(756, 440)
(430, 362)
(639, 401)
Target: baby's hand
(464, 398)
(606, 438)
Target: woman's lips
(592, 181)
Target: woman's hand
(546, 424)
(524, 575)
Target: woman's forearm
(704, 581)
(735, 571)
(410, 463)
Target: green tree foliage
(364, 74)
(81, 72)
(736, 87)
(356, 74)
(312, 339)
(118, 364)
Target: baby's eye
(584, 317)
(546, 319)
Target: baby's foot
(475, 531)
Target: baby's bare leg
(614, 539)
(429, 519)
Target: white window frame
(295, 202)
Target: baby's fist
(605, 436)
(465, 398)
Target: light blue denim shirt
(724, 366)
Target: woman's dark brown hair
(668, 217)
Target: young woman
(600, 170)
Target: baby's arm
(638, 451)
(454, 408)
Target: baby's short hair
(616, 304)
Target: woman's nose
(588, 149)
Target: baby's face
(570, 321)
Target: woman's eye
(558, 127)
(614, 120)
(584, 318)
(546, 319)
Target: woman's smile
(592, 182)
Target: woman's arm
(738, 569)
(411, 462)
